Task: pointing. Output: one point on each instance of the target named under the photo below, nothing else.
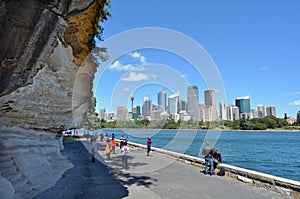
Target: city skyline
(256, 54)
(210, 110)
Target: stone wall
(46, 75)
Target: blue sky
(255, 46)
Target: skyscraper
(271, 111)
(232, 112)
(193, 102)
(260, 111)
(162, 99)
(182, 105)
(244, 105)
(122, 113)
(210, 98)
(210, 111)
(147, 106)
(223, 115)
(173, 104)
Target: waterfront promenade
(159, 176)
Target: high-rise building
(122, 113)
(147, 107)
(162, 99)
(260, 111)
(155, 115)
(210, 98)
(244, 105)
(173, 104)
(233, 112)
(136, 112)
(193, 102)
(271, 111)
(223, 115)
(182, 105)
(209, 113)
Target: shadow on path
(86, 179)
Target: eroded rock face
(46, 76)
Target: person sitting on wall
(217, 157)
(208, 157)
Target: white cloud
(135, 77)
(244, 97)
(263, 68)
(126, 89)
(295, 103)
(293, 93)
(139, 56)
(118, 66)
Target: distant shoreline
(253, 131)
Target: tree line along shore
(268, 123)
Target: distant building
(271, 111)
(184, 116)
(147, 107)
(102, 114)
(156, 114)
(291, 120)
(261, 111)
(244, 106)
(253, 114)
(173, 104)
(109, 117)
(193, 102)
(209, 113)
(182, 105)
(233, 113)
(210, 98)
(122, 113)
(223, 113)
(136, 112)
(162, 99)
(175, 117)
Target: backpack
(221, 172)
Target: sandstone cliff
(46, 76)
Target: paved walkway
(156, 177)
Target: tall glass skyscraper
(244, 105)
(173, 104)
(193, 102)
(162, 99)
(147, 106)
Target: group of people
(213, 157)
(110, 147)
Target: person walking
(126, 139)
(208, 156)
(122, 141)
(124, 152)
(93, 148)
(107, 149)
(149, 143)
(113, 145)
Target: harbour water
(275, 153)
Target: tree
(298, 117)
(285, 116)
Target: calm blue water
(275, 153)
